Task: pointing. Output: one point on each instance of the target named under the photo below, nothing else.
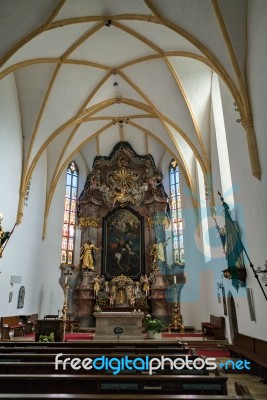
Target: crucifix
(65, 304)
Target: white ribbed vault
(66, 56)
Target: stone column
(159, 307)
(84, 300)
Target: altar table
(131, 323)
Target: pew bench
(12, 323)
(242, 393)
(87, 350)
(108, 384)
(50, 357)
(31, 323)
(48, 367)
(215, 327)
(103, 343)
(252, 349)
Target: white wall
(51, 294)
(193, 297)
(250, 194)
(21, 255)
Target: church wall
(10, 150)
(193, 299)
(212, 263)
(194, 305)
(217, 263)
(21, 254)
(256, 76)
(250, 193)
(257, 84)
(30, 239)
(51, 293)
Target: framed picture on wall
(251, 304)
(224, 301)
(123, 243)
(21, 297)
(10, 297)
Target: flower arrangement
(153, 324)
(45, 338)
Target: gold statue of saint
(87, 255)
(157, 253)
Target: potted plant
(154, 327)
(45, 338)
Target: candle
(66, 280)
(174, 279)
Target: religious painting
(123, 244)
(21, 297)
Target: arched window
(176, 213)
(68, 231)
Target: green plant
(102, 301)
(45, 338)
(153, 324)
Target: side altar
(130, 322)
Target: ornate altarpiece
(123, 204)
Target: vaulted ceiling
(90, 73)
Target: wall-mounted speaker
(15, 279)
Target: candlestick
(174, 279)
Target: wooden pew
(85, 350)
(31, 323)
(252, 349)
(12, 323)
(50, 357)
(215, 327)
(138, 383)
(100, 343)
(242, 393)
(48, 367)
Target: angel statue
(145, 281)
(97, 281)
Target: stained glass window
(176, 213)
(68, 229)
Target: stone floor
(257, 389)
